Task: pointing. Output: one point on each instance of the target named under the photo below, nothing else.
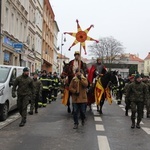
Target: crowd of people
(43, 88)
(38, 91)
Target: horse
(107, 79)
(68, 72)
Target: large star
(81, 36)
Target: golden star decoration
(81, 36)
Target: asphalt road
(52, 129)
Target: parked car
(8, 75)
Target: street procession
(74, 75)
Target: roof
(60, 56)
(133, 57)
(148, 56)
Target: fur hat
(76, 53)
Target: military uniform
(147, 103)
(137, 95)
(38, 94)
(25, 92)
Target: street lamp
(63, 39)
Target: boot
(69, 110)
(148, 115)
(36, 111)
(30, 112)
(22, 123)
(138, 124)
(75, 126)
(133, 124)
(83, 122)
(126, 113)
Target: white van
(7, 76)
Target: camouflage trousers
(34, 103)
(22, 103)
(148, 107)
(137, 107)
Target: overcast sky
(128, 21)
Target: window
(12, 24)
(6, 19)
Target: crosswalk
(103, 143)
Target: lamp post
(63, 39)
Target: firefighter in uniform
(55, 86)
(50, 79)
(45, 89)
(120, 89)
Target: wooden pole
(78, 88)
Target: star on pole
(81, 36)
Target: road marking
(99, 127)
(97, 118)
(94, 108)
(147, 130)
(123, 109)
(103, 143)
(121, 106)
(96, 113)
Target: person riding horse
(99, 72)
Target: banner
(108, 95)
(65, 97)
(99, 90)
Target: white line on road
(99, 127)
(103, 143)
(97, 118)
(94, 108)
(96, 113)
(147, 130)
(121, 106)
(123, 109)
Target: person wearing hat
(38, 94)
(147, 103)
(45, 89)
(128, 104)
(78, 87)
(75, 62)
(55, 84)
(98, 69)
(120, 89)
(137, 95)
(25, 92)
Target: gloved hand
(77, 93)
(14, 95)
(79, 77)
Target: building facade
(147, 65)
(55, 54)
(48, 37)
(14, 29)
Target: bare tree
(107, 49)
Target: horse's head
(67, 70)
(109, 77)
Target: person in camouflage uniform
(147, 103)
(128, 103)
(137, 95)
(25, 92)
(38, 94)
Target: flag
(99, 90)
(65, 97)
(108, 95)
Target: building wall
(14, 30)
(48, 36)
(147, 66)
(55, 60)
